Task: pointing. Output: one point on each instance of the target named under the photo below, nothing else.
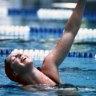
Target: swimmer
(20, 68)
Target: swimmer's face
(20, 62)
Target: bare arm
(57, 55)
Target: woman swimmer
(20, 68)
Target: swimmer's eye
(14, 57)
(18, 56)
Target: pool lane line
(27, 33)
(40, 54)
(48, 13)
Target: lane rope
(41, 54)
(27, 33)
(43, 13)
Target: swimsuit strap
(39, 68)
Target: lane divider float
(41, 54)
(27, 33)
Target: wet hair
(11, 74)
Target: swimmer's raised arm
(70, 31)
(57, 55)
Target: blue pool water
(80, 72)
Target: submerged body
(20, 68)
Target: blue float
(70, 54)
